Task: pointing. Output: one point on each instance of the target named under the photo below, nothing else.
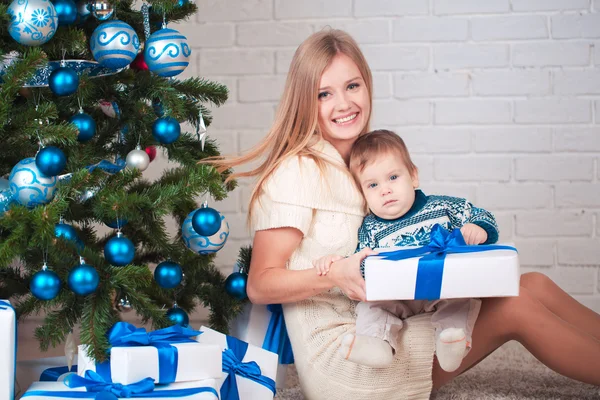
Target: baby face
(388, 186)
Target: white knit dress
(329, 214)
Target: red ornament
(151, 151)
(139, 64)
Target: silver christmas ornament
(101, 9)
(138, 158)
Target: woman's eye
(393, 177)
(353, 86)
(323, 95)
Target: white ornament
(29, 186)
(70, 349)
(32, 22)
(204, 244)
(167, 52)
(138, 158)
(114, 44)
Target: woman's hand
(345, 274)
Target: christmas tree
(88, 92)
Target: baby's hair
(374, 144)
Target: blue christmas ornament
(206, 221)
(68, 233)
(32, 22)
(29, 187)
(235, 285)
(50, 161)
(83, 11)
(166, 130)
(66, 11)
(158, 108)
(83, 279)
(63, 81)
(45, 284)
(85, 124)
(168, 274)
(178, 316)
(5, 196)
(167, 52)
(114, 44)
(204, 244)
(119, 251)
(116, 224)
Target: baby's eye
(372, 185)
(323, 95)
(353, 86)
(393, 177)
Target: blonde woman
(305, 205)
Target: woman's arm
(270, 282)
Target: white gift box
(267, 361)
(60, 387)
(49, 369)
(490, 273)
(8, 350)
(251, 326)
(132, 364)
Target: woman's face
(344, 104)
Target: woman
(305, 205)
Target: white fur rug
(511, 373)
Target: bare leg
(551, 340)
(562, 304)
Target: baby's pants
(383, 319)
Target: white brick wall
(499, 101)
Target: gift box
(8, 350)
(249, 371)
(199, 390)
(166, 355)
(446, 268)
(264, 326)
(49, 369)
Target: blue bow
(4, 305)
(276, 338)
(124, 334)
(233, 365)
(431, 264)
(94, 384)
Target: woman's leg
(551, 340)
(562, 304)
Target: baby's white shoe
(450, 348)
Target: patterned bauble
(45, 284)
(5, 196)
(50, 161)
(86, 126)
(178, 316)
(206, 221)
(166, 130)
(203, 244)
(167, 52)
(235, 285)
(63, 81)
(168, 274)
(119, 251)
(29, 186)
(33, 22)
(114, 44)
(137, 159)
(68, 233)
(151, 151)
(139, 64)
(102, 9)
(83, 279)
(66, 11)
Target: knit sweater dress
(329, 212)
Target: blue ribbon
(4, 305)
(430, 270)
(276, 338)
(52, 374)
(124, 334)
(233, 365)
(94, 384)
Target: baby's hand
(322, 264)
(473, 234)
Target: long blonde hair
(296, 126)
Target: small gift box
(166, 355)
(8, 350)
(49, 369)
(249, 371)
(446, 268)
(264, 326)
(93, 386)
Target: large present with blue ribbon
(264, 326)
(8, 350)
(165, 355)
(444, 269)
(48, 369)
(249, 371)
(93, 386)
